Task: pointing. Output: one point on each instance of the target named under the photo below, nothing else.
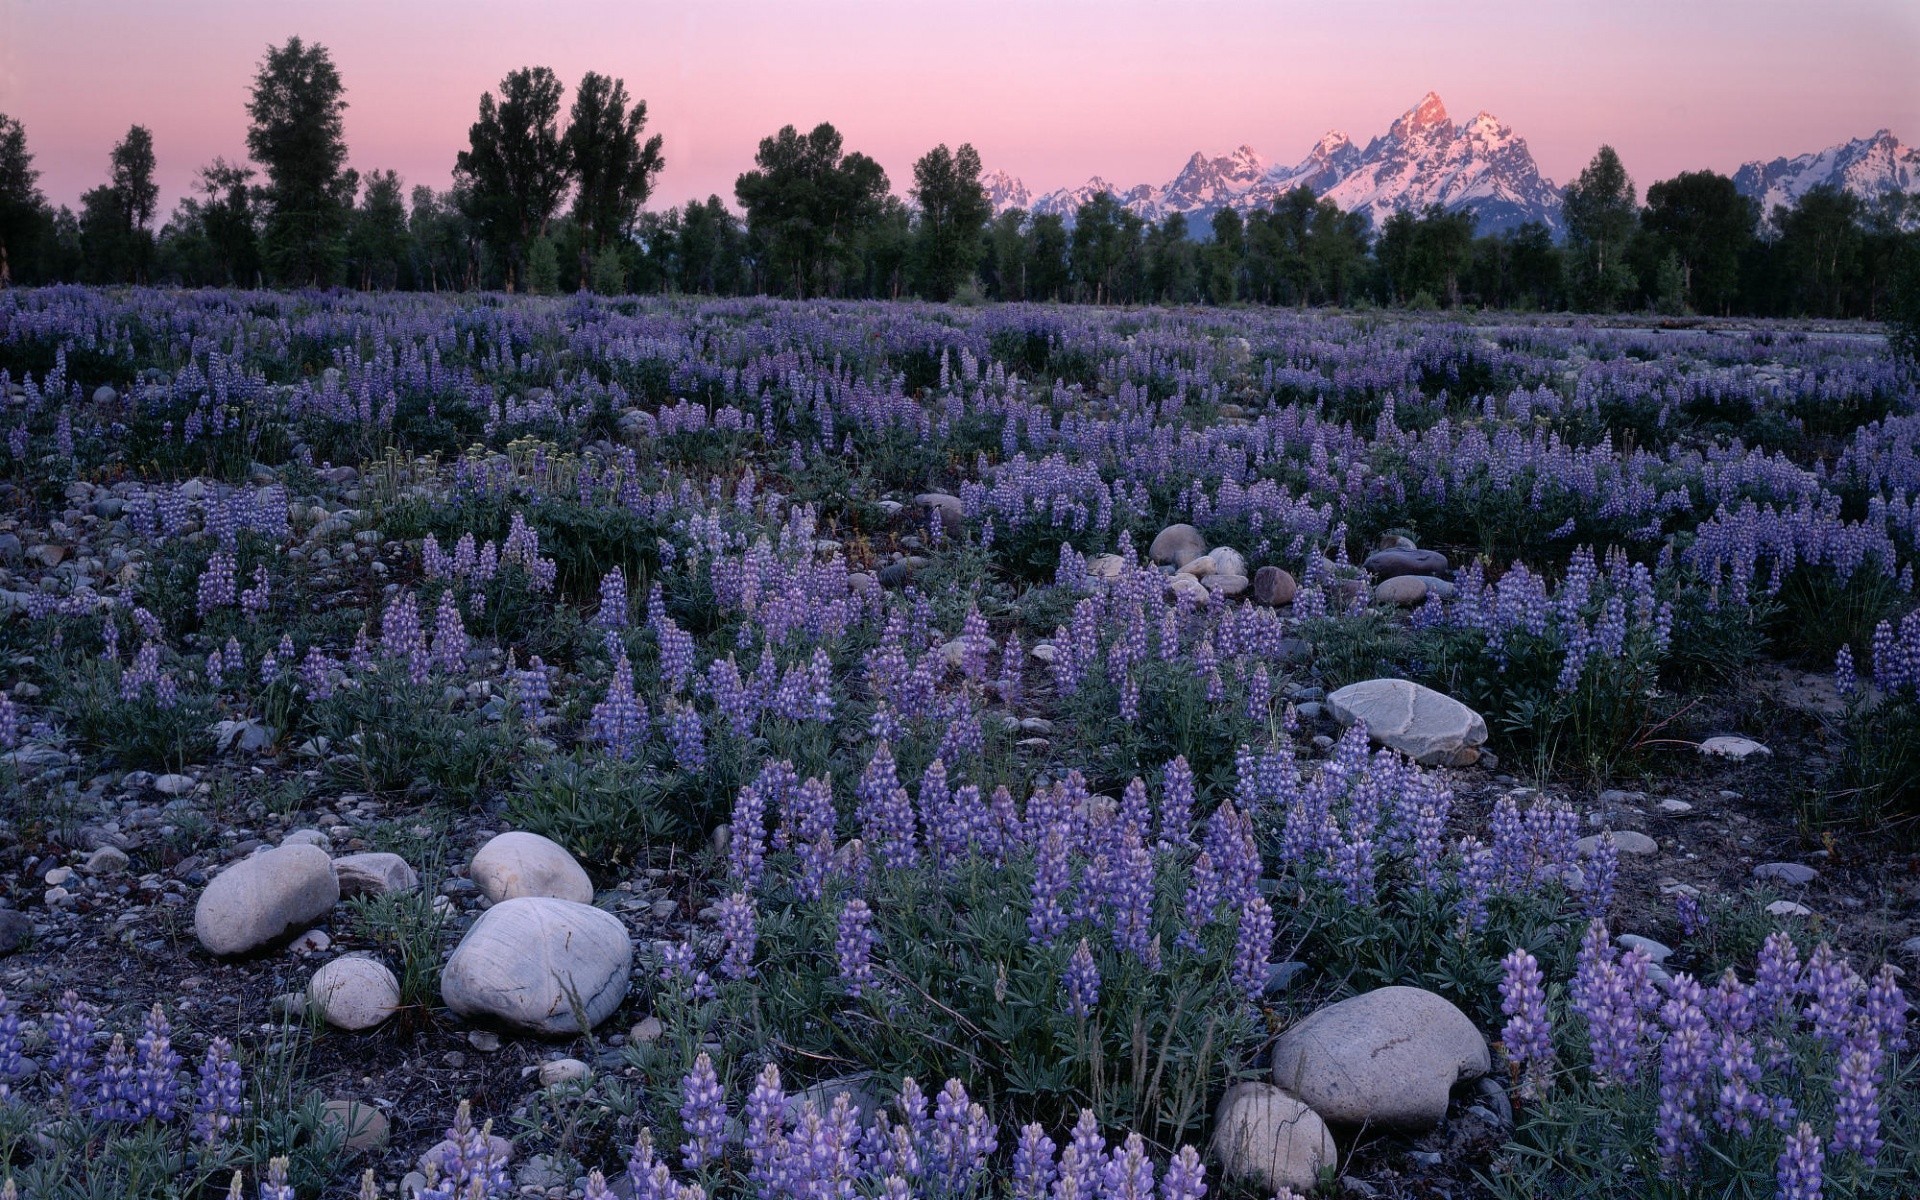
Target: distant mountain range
(1425, 158)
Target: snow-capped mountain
(1423, 158)
(1869, 167)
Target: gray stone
(15, 929)
(1386, 564)
(1273, 587)
(526, 961)
(365, 1127)
(1387, 1058)
(1738, 749)
(1788, 908)
(1790, 874)
(107, 860)
(1225, 585)
(519, 864)
(173, 785)
(952, 513)
(1404, 590)
(1656, 951)
(374, 874)
(1269, 1140)
(1432, 728)
(260, 899)
(1911, 948)
(1227, 561)
(1626, 841)
(562, 1070)
(354, 993)
(858, 1088)
(1177, 544)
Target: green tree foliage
(1903, 317)
(1048, 244)
(1819, 248)
(1173, 264)
(1706, 224)
(212, 239)
(21, 204)
(297, 137)
(808, 202)
(1601, 213)
(515, 169)
(1224, 260)
(1101, 249)
(1425, 259)
(377, 235)
(613, 167)
(702, 249)
(953, 211)
(1005, 265)
(115, 224)
(442, 252)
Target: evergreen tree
(1047, 247)
(1225, 258)
(297, 137)
(1601, 213)
(515, 169)
(953, 210)
(614, 168)
(1820, 242)
(377, 236)
(1006, 256)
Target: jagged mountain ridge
(1869, 167)
(1423, 158)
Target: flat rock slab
(1791, 874)
(1737, 748)
(1432, 728)
(1385, 564)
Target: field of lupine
(670, 750)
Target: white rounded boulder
(1385, 1058)
(527, 960)
(261, 899)
(518, 864)
(354, 993)
(1268, 1139)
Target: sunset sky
(1052, 90)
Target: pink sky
(1052, 90)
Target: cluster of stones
(1389, 1059)
(541, 959)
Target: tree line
(550, 197)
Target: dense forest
(549, 196)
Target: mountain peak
(1429, 114)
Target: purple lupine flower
(449, 636)
(469, 1165)
(1081, 981)
(1684, 1064)
(217, 1103)
(1526, 1036)
(113, 1087)
(1033, 1164)
(612, 613)
(1856, 1103)
(216, 587)
(960, 1142)
(255, 599)
(1691, 915)
(12, 1062)
(747, 845)
(1176, 804)
(1186, 1176)
(1201, 902)
(1052, 873)
(1128, 1172)
(1834, 993)
(1740, 1102)
(533, 687)
(156, 1070)
(647, 1175)
(739, 929)
(9, 723)
(765, 1122)
(1777, 980)
(70, 1030)
(1886, 1009)
(1845, 680)
(1081, 1158)
(274, 1185)
(853, 946)
(1799, 1172)
(620, 719)
(1253, 948)
(1598, 876)
(1131, 897)
(597, 1188)
(703, 1114)
(688, 736)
